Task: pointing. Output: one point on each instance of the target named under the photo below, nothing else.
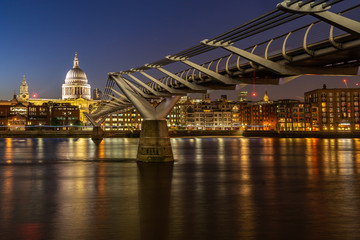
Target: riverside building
(259, 116)
(130, 119)
(338, 108)
(208, 115)
(291, 115)
(17, 115)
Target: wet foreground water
(218, 188)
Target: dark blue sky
(39, 37)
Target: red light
(254, 94)
(34, 95)
(344, 80)
(357, 84)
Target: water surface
(218, 188)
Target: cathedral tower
(24, 91)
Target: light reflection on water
(218, 188)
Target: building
(126, 120)
(291, 115)
(76, 83)
(17, 115)
(24, 91)
(75, 91)
(338, 108)
(244, 114)
(204, 115)
(206, 98)
(130, 119)
(84, 105)
(174, 117)
(266, 97)
(242, 96)
(38, 115)
(5, 111)
(66, 113)
(97, 94)
(258, 116)
(311, 117)
(261, 116)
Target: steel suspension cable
(204, 49)
(305, 2)
(332, 3)
(190, 50)
(318, 3)
(248, 28)
(293, 2)
(245, 24)
(293, 17)
(231, 32)
(268, 25)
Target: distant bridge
(328, 46)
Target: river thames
(217, 188)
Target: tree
(55, 122)
(78, 123)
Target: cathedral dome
(76, 74)
(76, 83)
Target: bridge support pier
(97, 135)
(154, 143)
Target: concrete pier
(97, 135)
(154, 143)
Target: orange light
(344, 80)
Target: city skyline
(40, 39)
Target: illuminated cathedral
(76, 83)
(75, 91)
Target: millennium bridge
(328, 44)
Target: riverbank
(110, 134)
(301, 134)
(177, 133)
